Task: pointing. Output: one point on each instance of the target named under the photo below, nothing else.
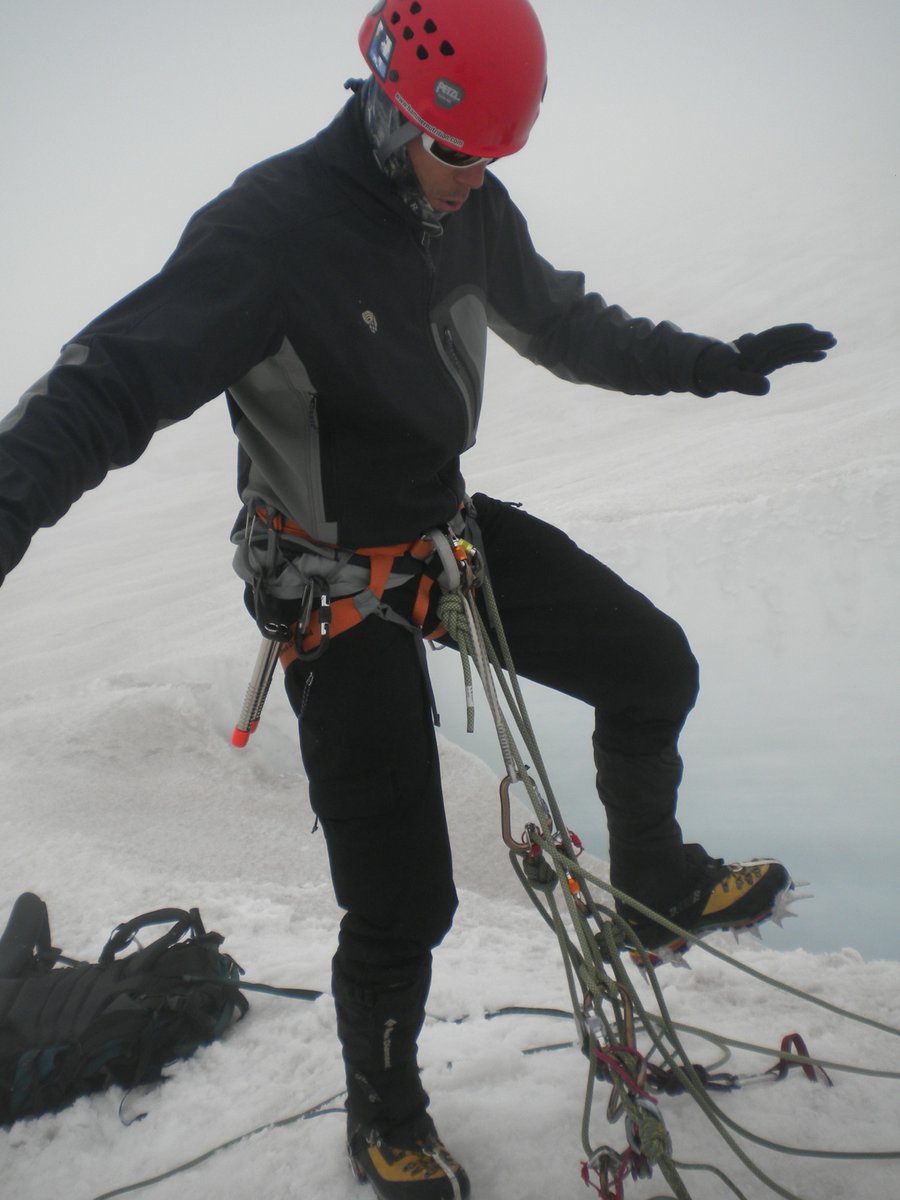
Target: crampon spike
(666, 956)
(783, 902)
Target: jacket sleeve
(547, 316)
(151, 360)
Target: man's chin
(448, 206)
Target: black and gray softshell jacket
(350, 345)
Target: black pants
(369, 749)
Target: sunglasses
(449, 157)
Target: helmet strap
(395, 140)
(389, 132)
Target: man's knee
(383, 945)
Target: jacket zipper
(316, 466)
(451, 359)
(470, 395)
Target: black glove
(743, 365)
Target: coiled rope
(609, 1012)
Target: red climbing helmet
(471, 73)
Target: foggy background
(727, 166)
(690, 131)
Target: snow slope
(734, 182)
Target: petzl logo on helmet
(448, 94)
(381, 50)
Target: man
(340, 294)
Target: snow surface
(734, 182)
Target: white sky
(663, 121)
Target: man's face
(446, 188)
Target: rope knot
(451, 613)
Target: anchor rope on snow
(594, 960)
(607, 1010)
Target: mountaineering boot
(411, 1163)
(391, 1139)
(378, 1024)
(720, 896)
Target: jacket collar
(345, 149)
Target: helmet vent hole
(430, 26)
(394, 75)
(415, 7)
(395, 17)
(446, 49)
(408, 34)
(421, 53)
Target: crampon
(738, 897)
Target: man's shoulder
(268, 199)
(287, 168)
(297, 180)
(276, 184)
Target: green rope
(593, 954)
(573, 866)
(598, 984)
(686, 1075)
(452, 615)
(788, 1056)
(723, 1041)
(461, 618)
(463, 621)
(318, 1110)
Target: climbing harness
(305, 593)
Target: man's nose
(472, 177)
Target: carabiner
(315, 585)
(522, 847)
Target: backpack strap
(25, 947)
(123, 935)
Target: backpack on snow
(66, 1030)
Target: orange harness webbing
(343, 613)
